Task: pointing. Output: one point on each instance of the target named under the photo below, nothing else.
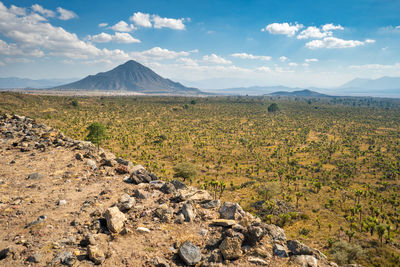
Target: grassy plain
(327, 170)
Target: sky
(206, 44)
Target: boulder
(178, 184)
(231, 248)
(306, 261)
(115, 219)
(91, 163)
(297, 248)
(211, 204)
(168, 188)
(190, 253)
(280, 251)
(187, 211)
(231, 211)
(254, 234)
(125, 202)
(64, 258)
(141, 194)
(96, 255)
(275, 232)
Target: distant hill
(14, 82)
(252, 90)
(301, 93)
(384, 83)
(130, 76)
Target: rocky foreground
(62, 202)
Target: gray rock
(168, 188)
(91, 163)
(115, 219)
(125, 162)
(306, 261)
(280, 251)
(35, 176)
(141, 194)
(96, 255)
(88, 240)
(62, 202)
(231, 248)
(126, 202)
(215, 256)
(180, 219)
(4, 253)
(231, 211)
(39, 220)
(254, 234)
(223, 222)
(35, 258)
(159, 262)
(211, 204)
(297, 248)
(190, 253)
(65, 258)
(275, 232)
(257, 261)
(178, 184)
(187, 211)
(203, 232)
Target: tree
(185, 170)
(273, 107)
(97, 133)
(75, 103)
(380, 229)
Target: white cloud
(175, 24)
(122, 26)
(283, 28)
(311, 60)
(103, 24)
(141, 19)
(118, 37)
(250, 56)
(2, 64)
(158, 53)
(213, 58)
(397, 27)
(306, 65)
(283, 58)
(369, 41)
(45, 12)
(17, 60)
(293, 64)
(333, 42)
(264, 69)
(331, 27)
(14, 50)
(187, 61)
(313, 32)
(18, 10)
(66, 14)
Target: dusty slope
(72, 185)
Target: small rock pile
(166, 223)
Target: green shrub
(346, 253)
(185, 170)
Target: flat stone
(141, 194)
(190, 253)
(257, 261)
(143, 230)
(211, 204)
(275, 232)
(223, 222)
(35, 176)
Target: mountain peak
(130, 76)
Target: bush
(185, 170)
(346, 253)
(273, 107)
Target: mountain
(301, 93)
(383, 83)
(130, 76)
(14, 82)
(252, 90)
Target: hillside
(300, 93)
(14, 82)
(130, 76)
(65, 202)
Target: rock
(65, 258)
(168, 188)
(4, 253)
(190, 253)
(275, 232)
(125, 202)
(96, 255)
(115, 219)
(187, 211)
(39, 220)
(88, 240)
(143, 230)
(127, 163)
(61, 202)
(231, 248)
(280, 251)
(215, 256)
(79, 156)
(141, 194)
(203, 231)
(159, 262)
(254, 234)
(91, 163)
(109, 162)
(257, 261)
(306, 261)
(211, 204)
(223, 222)
(35, 176)
(164, 213)
(180, 219)
(297, 248)
(178, 184)
(122, 169)
(140, 175)
(231, 211)
(35, 258)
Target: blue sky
(208, 44)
